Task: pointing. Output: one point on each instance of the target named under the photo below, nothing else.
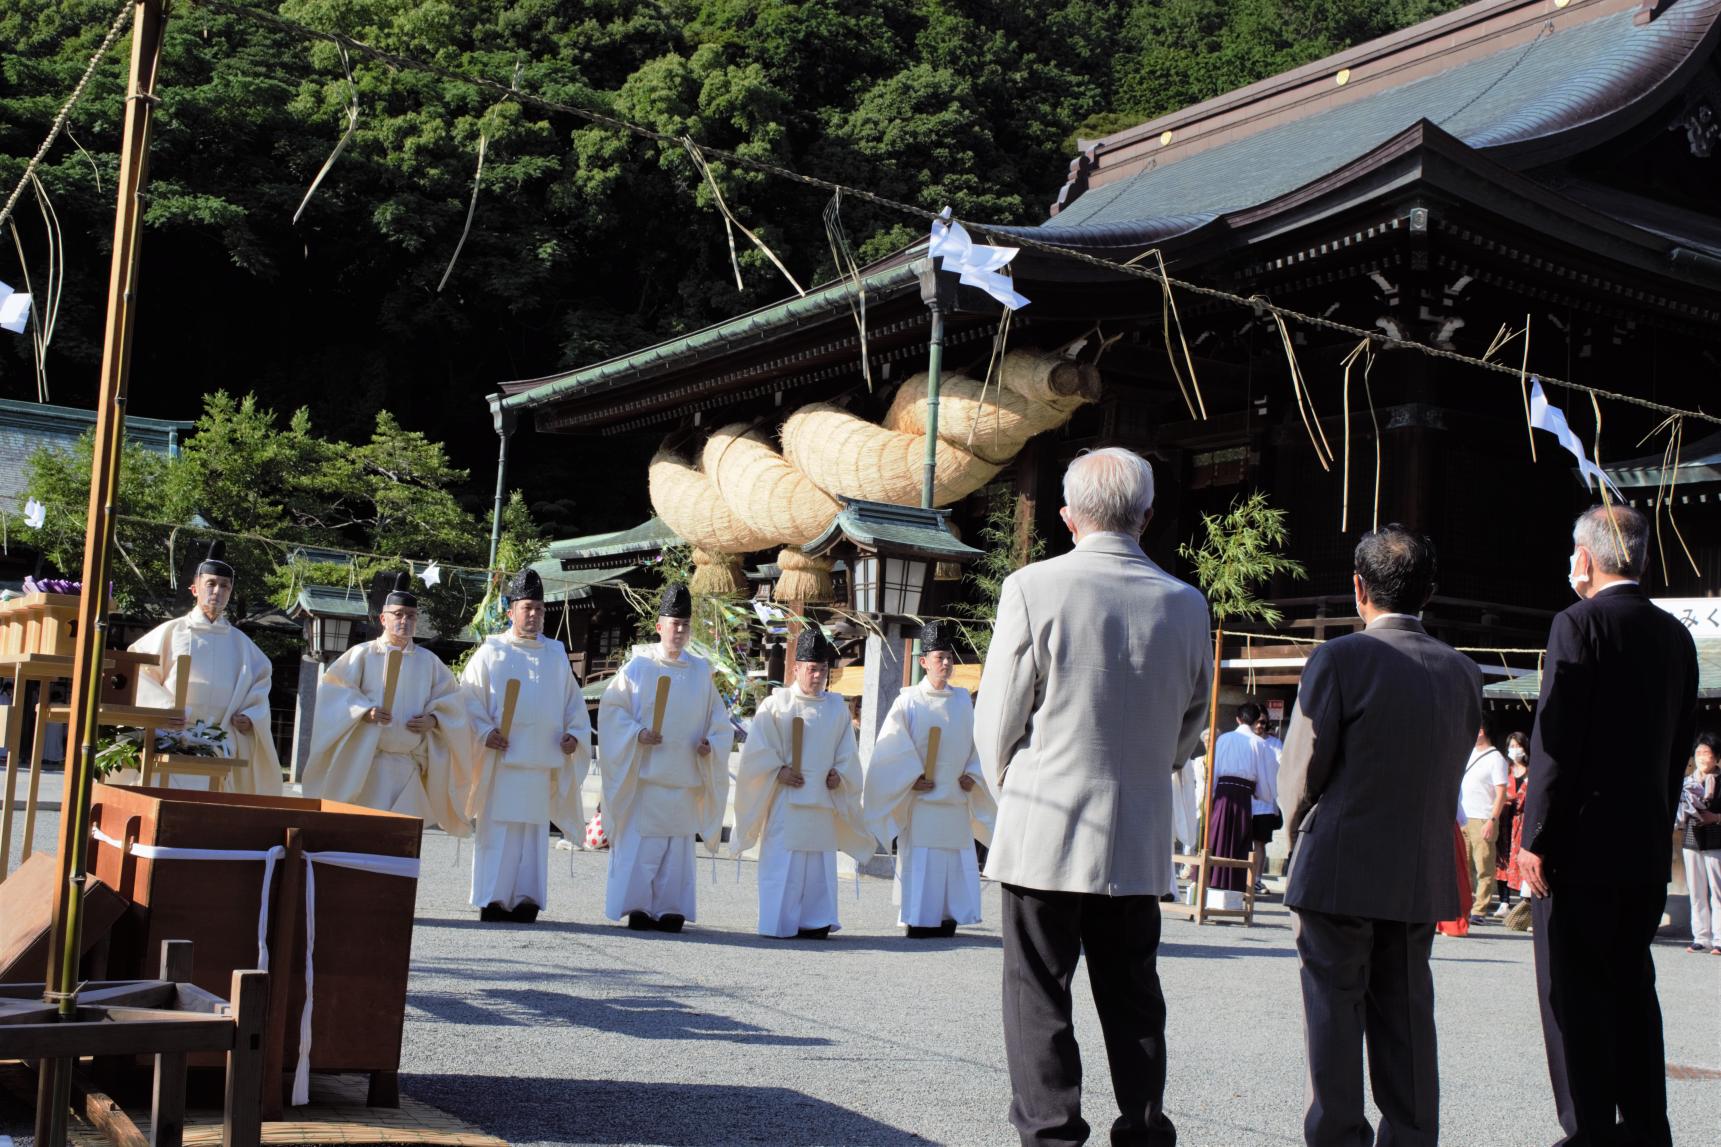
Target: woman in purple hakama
(1229, 832)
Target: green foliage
(1241, 550)
(723, 631)
(245, 472)
(1002, 558)
(585, 243)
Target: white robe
(656, 797)
(229, 677)
(937, 878)
(514, 795)
(800, 830)
(389, 767)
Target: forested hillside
(585, 243)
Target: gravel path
(576, 1031)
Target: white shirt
(1240, 753)
(1486, 769)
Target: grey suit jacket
(1384, 722)
(1095, 683)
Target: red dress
(1460, 926)
(1515, 790)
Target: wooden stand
(1205, 862)
(167, 1018)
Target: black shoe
(524, 912)
(917, 932)
(1167, 898)
(671, 922)
(494, 913)
(640, 922)
(814, 933)
(947, 929)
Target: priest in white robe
(403, 753)
(801, 817)
(935, 808)
(665, 777)
(529, 773)
(227, 685)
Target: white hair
(1110, 489)
(1602, 529)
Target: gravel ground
(576, 1031)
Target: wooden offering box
(363, 922)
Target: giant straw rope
(745, 495)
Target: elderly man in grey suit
(1383, 724)
(1095, 682)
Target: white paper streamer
(976, 264)
(1545, 416)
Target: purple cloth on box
(1230, 833)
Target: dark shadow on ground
(660, 1114)
(694, 934)
(1223, 951)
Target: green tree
(1002, 538)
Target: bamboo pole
(1203, 869)
(54, 1091)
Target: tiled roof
(1559, 81)
(879, 524)
(649, 537)
(26, 427)
(1529, 686)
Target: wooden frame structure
(168, 1019)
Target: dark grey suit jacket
(1384, 722)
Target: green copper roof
(1529, 686)
(757, 328)
(877, 525)
(562, 585)
(649, 537)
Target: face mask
(1516, 753)
(1573, 577)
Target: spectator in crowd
(1510, 837)
(1096, 680)
(1618, 712)
(1244, 770)
(1483, 795)
(1266, 819)
(1370, 782)
(1699, 824)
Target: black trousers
(1045, 933)
(1601, 1019)
(1368, 980)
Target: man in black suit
(1369, 778)
(1617, 715)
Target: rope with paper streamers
(1011, 235)
(121, 19)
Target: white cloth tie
(406, 866)
(267, 856)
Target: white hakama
(937, 873)
(510, 863)
(800, 830)
(937, 884)
(658, 797)
(797, 887)
(656, 875)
